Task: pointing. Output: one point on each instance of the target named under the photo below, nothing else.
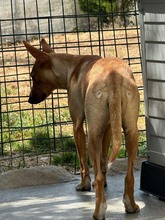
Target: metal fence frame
(14, 77)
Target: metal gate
(42, 134)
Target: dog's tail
(115, 94)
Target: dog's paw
(130, 207)
(109, 165)
(132, 210)
(105, 184)
(81, 187)
(94, 218)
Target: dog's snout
(30, 100)
(35, 99)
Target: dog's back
(112, 96)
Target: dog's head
(41, 73)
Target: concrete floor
(62, 202)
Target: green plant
(69, 144)
(122, 152)
(65, 158)
(105, 7)
(98, 7)
(142, 150)
(41, 141)
(57, 159)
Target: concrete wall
(33, 9)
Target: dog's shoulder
(83, 63)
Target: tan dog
(103, 91)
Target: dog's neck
(66, 66)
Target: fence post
(1, 124)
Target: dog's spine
(115, 113)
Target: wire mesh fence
(42, 134)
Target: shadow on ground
(61, 202)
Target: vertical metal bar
(126, 36)
(99, 37)
(77, 29)
(33, 111)
(51, 32)
(51, 39)
(89, 25)
(50, 25)
(24, 9)
(38, 20)
(101, 16)
(18, 88)
(58, 96)
(113, 29)
(1, 129)
(137, 30)
(65, 33)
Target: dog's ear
(39, 55)
(46, 48)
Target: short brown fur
(103, 91)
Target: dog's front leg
(80, 140)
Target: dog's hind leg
(77, 114)
(131, 137)
(95, 155)
(130, 116)
(80, 139)
(105, 149)
(97, 116)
